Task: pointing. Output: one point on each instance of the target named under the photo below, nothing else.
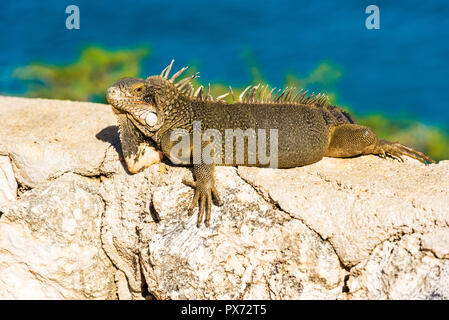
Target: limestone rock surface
(8, 184)
(74, 224)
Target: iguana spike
(270, 94)
(293, 96)
(168, 69)
(258, 93)
(279, 99)
(309, 98)
(199, 93)
(177, 74)
(288, 95)
(191, 91)
(247, 97)
(306, 100)
(182, 83)
(209, 96)
(186, 88)
(248, 94)
(232, 94)
(296, 95)
(163, 72)
(222, 96)
(301, 98)
(317, 98)
(263, 94)
(275, 96)
(252, 93)
(243, 93)
(283, 95)
(312, 98)
(324, 100)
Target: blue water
(401, 69)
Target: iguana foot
(395, 150)
(203, 194)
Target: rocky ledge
(76, 225)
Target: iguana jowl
(309, 128)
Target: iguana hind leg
(350, 140)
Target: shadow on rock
(111, 135)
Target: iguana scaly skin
(308, 127)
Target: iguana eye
(138, 89)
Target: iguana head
(150, 102)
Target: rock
(399, 268)
(82, 227)
(50, 244)
(250, 251)
(358, 203)
(47, 138)
(8, 184)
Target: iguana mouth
(120, 101)
(123, 102)
(115, 97)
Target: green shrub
(85, 79)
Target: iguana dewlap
(307, 128)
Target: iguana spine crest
(252, 94)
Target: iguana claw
(395, 150)
(203, 194)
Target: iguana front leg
(204, 190)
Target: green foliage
(431, 140)
(324, 75)
(253, 67)
(85, 79)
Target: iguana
(308, 127)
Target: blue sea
(401, 69)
